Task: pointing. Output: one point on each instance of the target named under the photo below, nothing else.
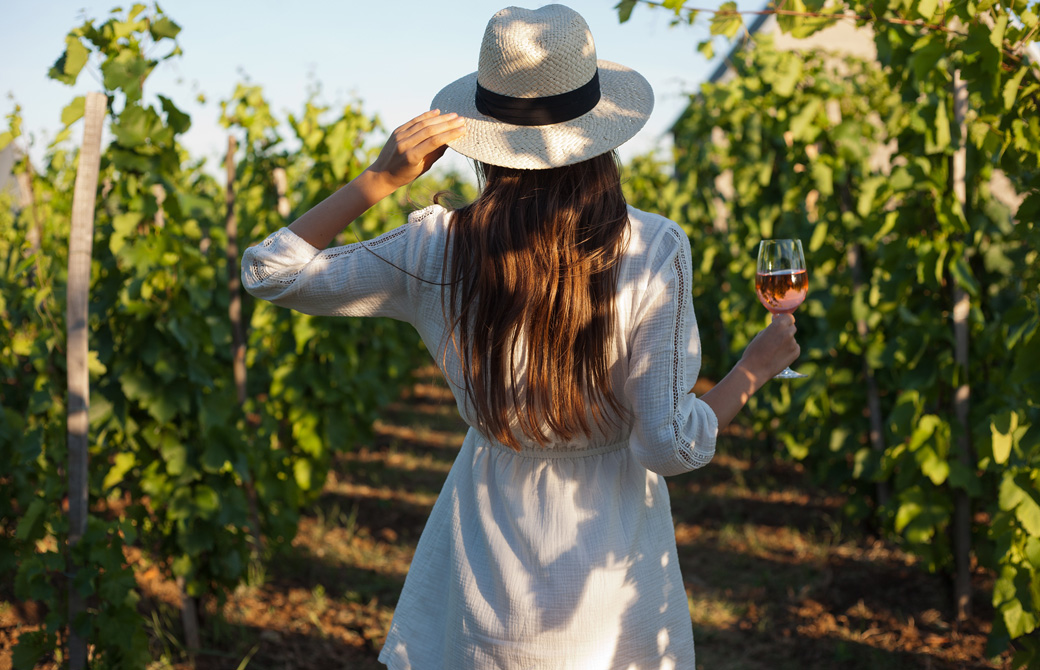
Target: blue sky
(394, 56)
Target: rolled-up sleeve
(673, 430)
(361, 279)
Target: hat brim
(626, 100)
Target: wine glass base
(788, 373)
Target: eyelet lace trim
(420, 214)
(262, 274)
(691, 456)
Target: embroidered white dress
(557, 559)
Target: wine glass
(781, 281)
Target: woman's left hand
(415, 146)
(409, 152)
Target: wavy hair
(534, 260)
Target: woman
(562, 320)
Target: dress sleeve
(673, 430)
(353, 280)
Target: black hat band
(539, 111)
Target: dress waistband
(555, 452)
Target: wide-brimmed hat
(540, 98)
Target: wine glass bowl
(781, 281)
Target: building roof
(8, 156)
(843, 37)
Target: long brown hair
(536, 258)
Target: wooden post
(160, 197)
(854, 257)
(81, 237)
(238, 343)
(877, 437)
(238, 331)
(27, 200)
(281, 185)
(962, 396)
(190, 620)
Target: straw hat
(539, 98)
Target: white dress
(552, 559)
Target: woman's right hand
(773, 349)
(413, 147)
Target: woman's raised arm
(409, 152)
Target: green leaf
(198, 538)
(926, 54)
(726, 21)
(926, 427)
(1010, 495)
(788, 23)
(861, 312)
(303, 331)
(302, 471)
(214, 457)
(30, 526)
(123, 463)
(920, 515)
(624, 10)
(961, 272)
(788, 75)
(807, 26)
(937, 138)
(67, 68)
(935, 468)
(1028, 514)
(1011, 88)
(177, 120)
(1018, 621)
(819, 236)
(122, 226)
(996, 35)
(802, 125)
(176, 456)
(1002, 428)
(181, 566)
(926, 8)
(136, 126)
(73, 112)
(206, 500)
(823, 176)
(166, 28)
(1021, 331)
(706, 48)
(100, 411)
(865, 202)
(907, 512)
(1032, 551)
(126, 72)
(94, 365)
(31, 647)
(163, 407)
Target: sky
(392, 55)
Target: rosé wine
(781, 291)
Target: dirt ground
(774, 578)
